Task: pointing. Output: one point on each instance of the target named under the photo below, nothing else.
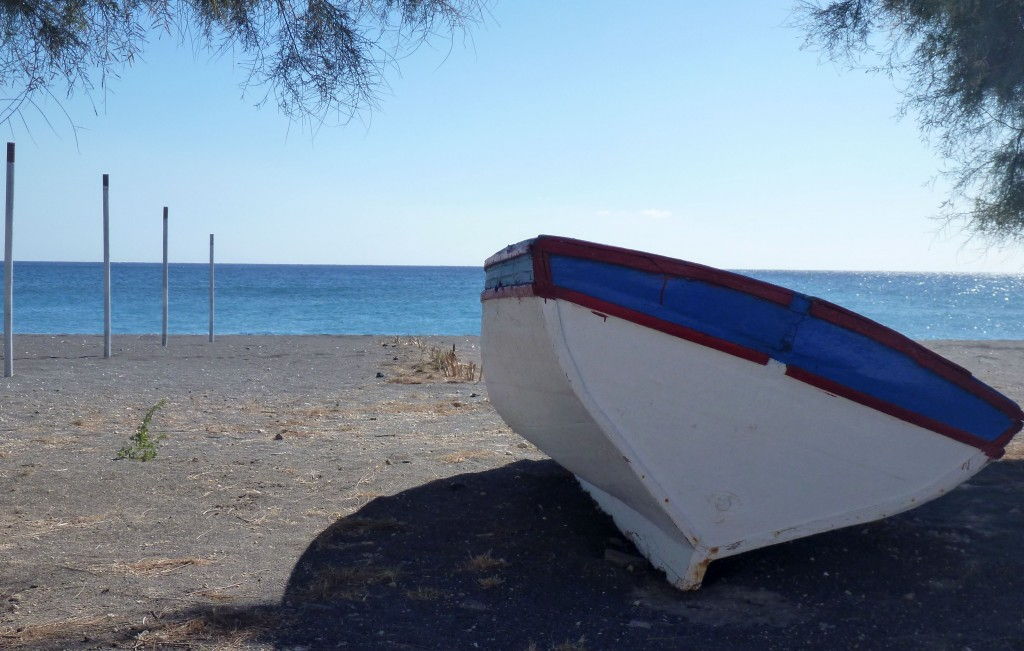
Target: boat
(710, 413)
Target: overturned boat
(710, 413)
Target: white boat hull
(695, 453)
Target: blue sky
(696, 130)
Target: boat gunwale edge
(541, 247)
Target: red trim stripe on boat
(544, 246)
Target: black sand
(300, 501)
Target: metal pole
(9, 267)
(211, 287)
(106, 265)
(163, 331)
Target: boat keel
(683, 564)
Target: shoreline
(323, 490)
(141, 335)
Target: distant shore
(430, 521)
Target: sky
(696, 130)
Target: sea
(67, 298)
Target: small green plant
(142, 445)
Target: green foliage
(316, 58)
(963, 65)
(142, 445)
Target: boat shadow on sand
(519, 556)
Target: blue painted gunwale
(820, 343)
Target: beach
(342, 491)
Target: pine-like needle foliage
(964, 65)
(318, 59)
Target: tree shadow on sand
(516, 556)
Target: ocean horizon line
(254, 299)
(739, 270)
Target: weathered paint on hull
(696, 453)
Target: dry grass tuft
(443, 408)
(316, 413)
(184, 633)
(489, 582)
(55, 441)
(407, 379)
(447, 363)
(49, 632)
(92, 421)
(322, 513)
(424, 593)
(354, 527)
(437, 363)
(362, 497)
(465, 455)
(36, 528)
(402, 342)
(217, 629)
(351, 583)
(578, 645)
(160, 566)
(484, 562)
(295, 433)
